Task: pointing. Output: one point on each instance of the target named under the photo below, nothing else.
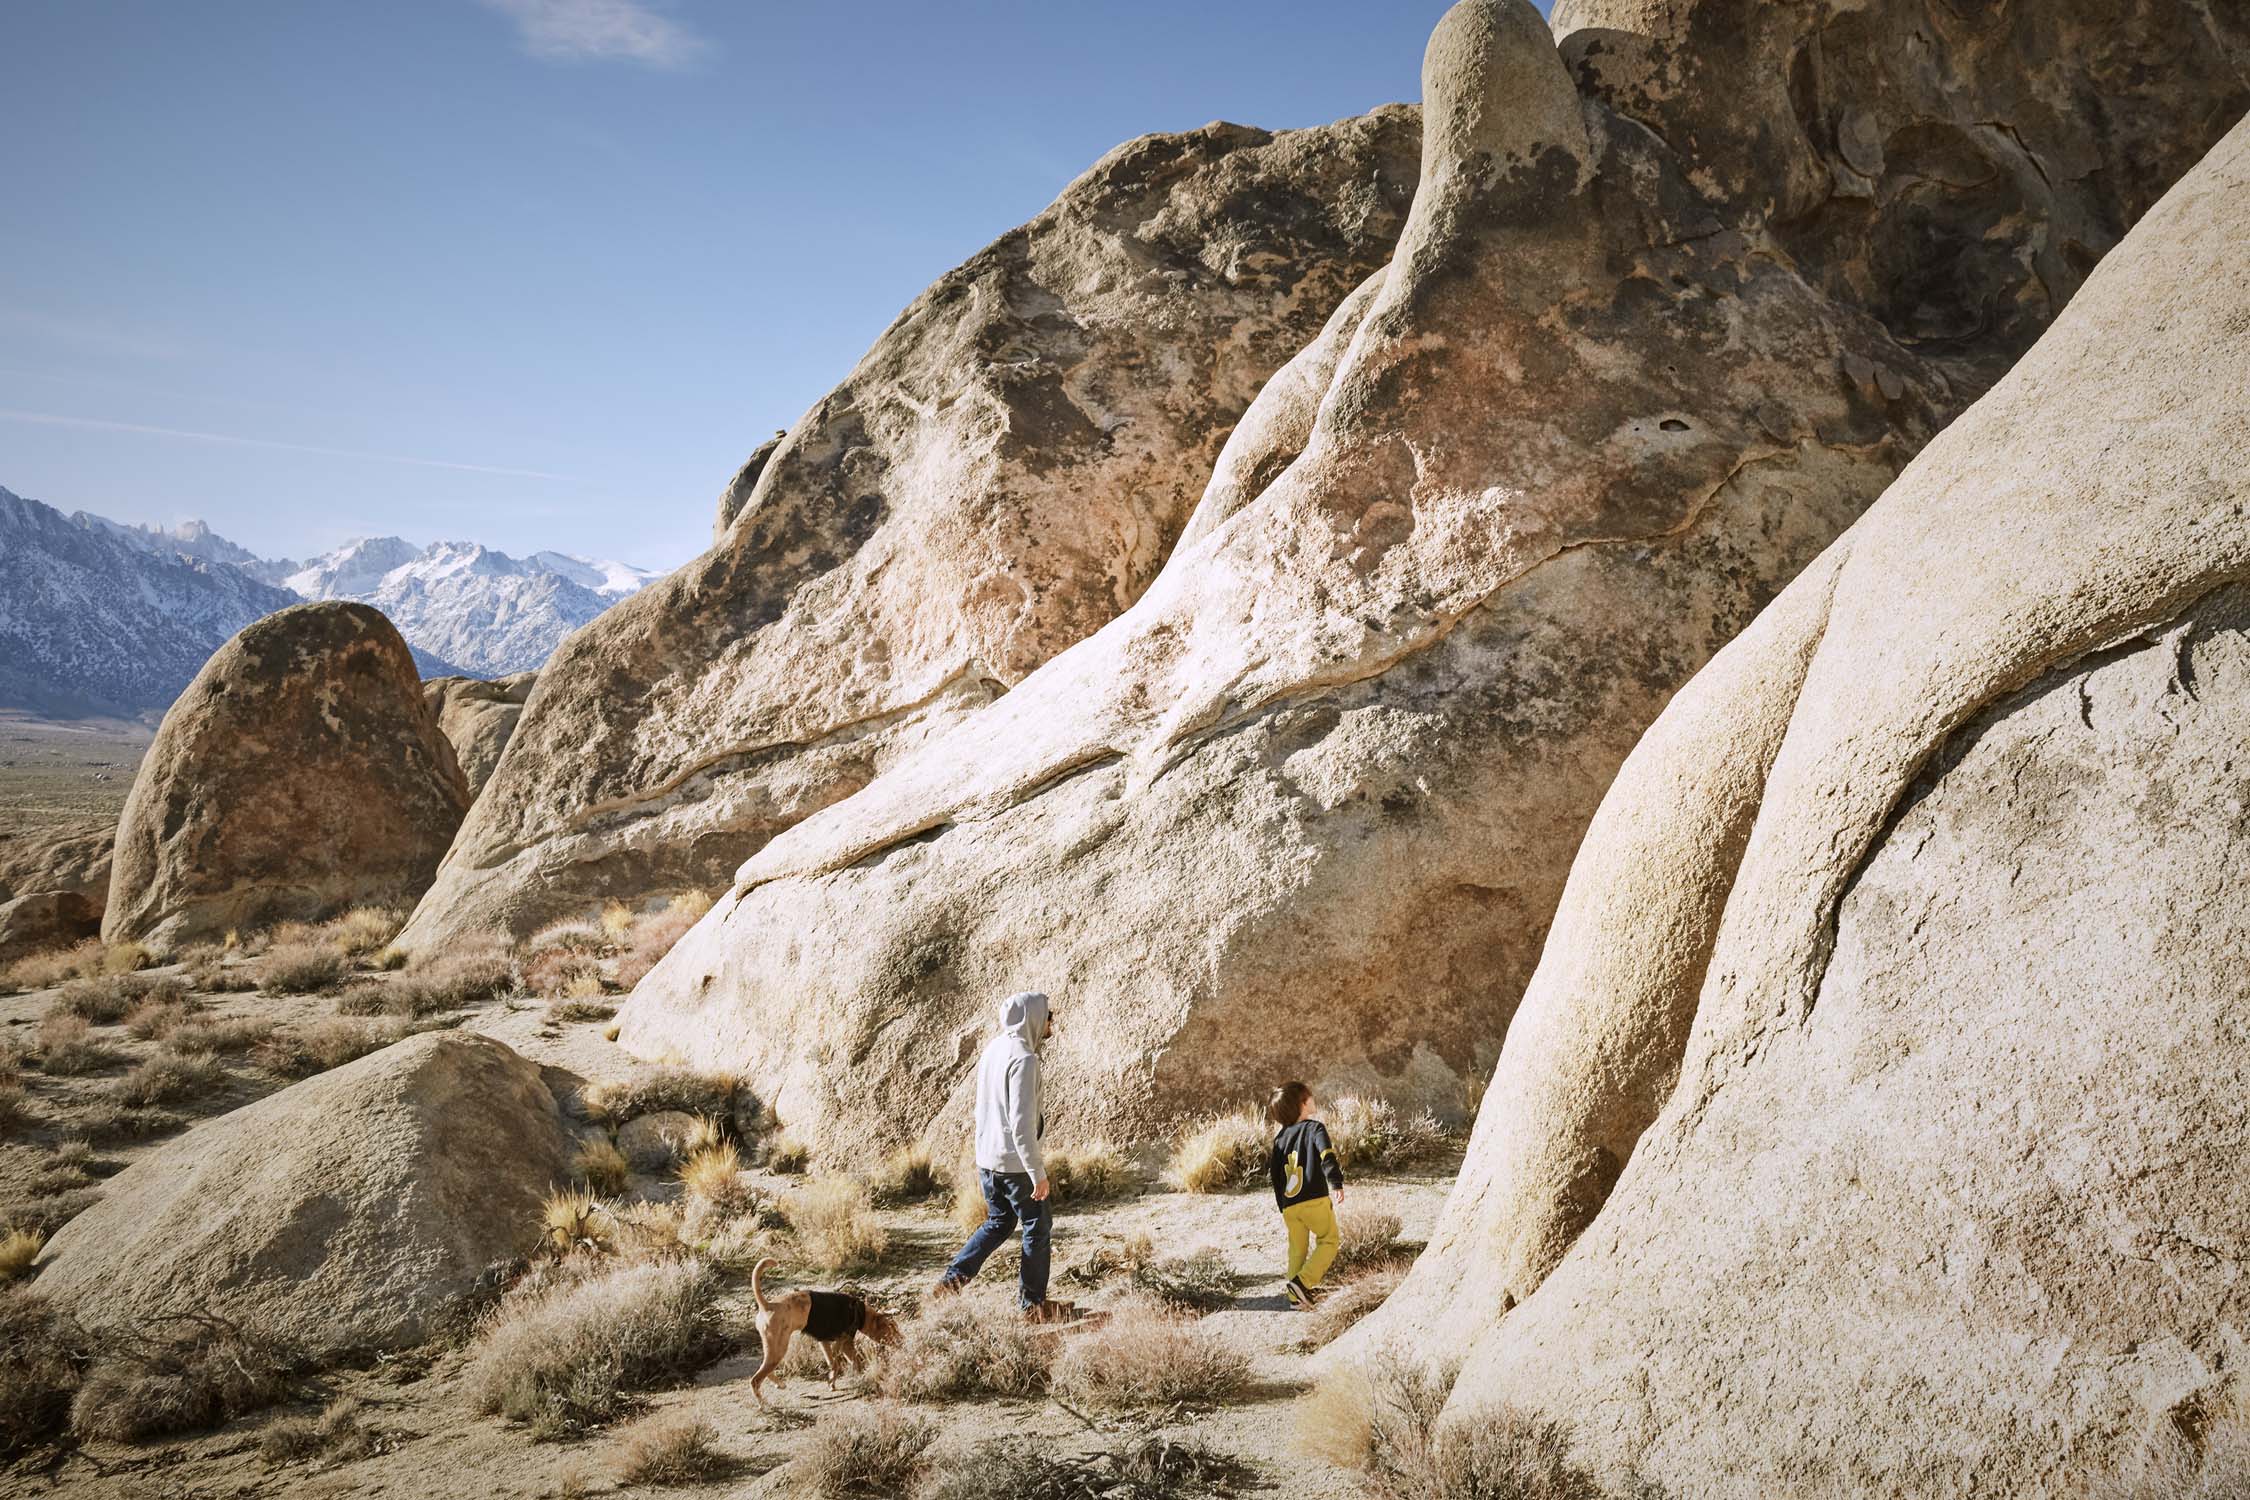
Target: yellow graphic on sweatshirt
(1294, 1178)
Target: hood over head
(1023, 1015)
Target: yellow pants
(1312, 1221)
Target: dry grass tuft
(1368, 1233)
(1372, 1136)
(601, 1166)
(652, 936)
(366, 929)
(968, 1347)
(557, 970)
(616, 920)
(1223, 1154)
(578, 1010)
(301, 968)
(675, 1449)
(209, 1038)
(1384, 1420)
(1152, 1468)
(575, 1221)
(168, 1078)
(108, 1120)
(1344, 1303)
(327, 1043)
(684, 1089)
(183, 1374)
(67, 1048)
(1146, 1357)
(15, 1108)
(43, 1356)
(43, 971)
(1088, 1174)
(19, 1248)
(563, 1353)
(206, 969)
(834, 1224)
(338, 1434)
(157, 1015)
(713, 1173)
(1201, 1282)
(788, 1155)
(907, 1175)
(126, 958)
(862, 1453)
(102, 1001)
(450, 981)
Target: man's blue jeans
(1007, 1199)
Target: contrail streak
(53, 419)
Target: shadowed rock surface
(1005, 471)
(1619, 384)
(352, 1211)
(301, 772)
(1875, 1121)
(478, 718)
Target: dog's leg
(835, 1361)
(850, 1341)
(776, 1350)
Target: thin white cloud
(601, 31)
(53, 419)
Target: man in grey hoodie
(1010, 1166)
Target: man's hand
(1039, 1189)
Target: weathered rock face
(1901, 970)
(300, 772)
(1005, 471)
(71, 858)
(354, 1209)
(477, 719)
(1332, 765)
(48, 919)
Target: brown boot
(946, 1287)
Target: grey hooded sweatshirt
(1009, 1119)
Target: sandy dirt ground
(432, 1444)
(65, 772)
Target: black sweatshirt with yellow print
(1303, 1164)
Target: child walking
(1308, 1182)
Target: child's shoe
(1300, 1295)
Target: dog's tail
(757, 1289)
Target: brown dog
(835, 1319)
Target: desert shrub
(389, 959)
(601, 1166)
(620, 1099)
(182, 1374)
(907, 1175)
(43, 971)
(168, 1078)
(301, 968)
(1367, 1233)
(572, 1221)
(43, 1356)
(788, 1155)
(67, 1048)
(1372, 1136)
(453, 980)
(365, 929)
(834, 1225)
(46, 1214)
(15, 1110)
(565, 1012)
(565, 1354)
(1201, 1282)
(555, 973)
(1087, 1174)
(967, 1347)
(713, 1172)
(210, 1037)
(1222, 1154)
(1383, 1419)
(872, 1452)
(1153, 1468)
(616, 920)
(1344, 1303)
(110, 1120)
(1144, 1357)
(652, 936)
(338, 1434)
(156, 1015)
(327, 1043)
(102, 1000)
(68, 1167)
(205, 968)
(673, 1449)
(19, 1248)
(126, 958)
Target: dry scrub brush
(652, 936)
(562, 1352)
(601, 1166)
(659, 1089)
(339, 1434)
(156, 1015)
(182, 1374)
(67, 1048)
(1145, 1357)
(453, 980)
(43, 1356)
(907, 1175)
(168, 1078)
(43, 971)
(874, 1452)
(674, 1449)
(19, 1249)
(1223, 1153)
(1201, 1282)
(305, 967)
(1371, 1135)
(331, 1042)
(206, 1038)
(834, 1224)
(1383, 1420)
(1344, 1303)
(1154, 1468)
(967, 1347)
(105, 1000)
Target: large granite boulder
(300, 773)
(1005, 470)
(1876, 1120)
(354, 1210)
(54, 882)
(477, 718)
(46, 919)
(1306, 807)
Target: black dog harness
(833, 1315)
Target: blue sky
(540, 273)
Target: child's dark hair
(1287, 1106)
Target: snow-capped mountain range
(101, 617)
